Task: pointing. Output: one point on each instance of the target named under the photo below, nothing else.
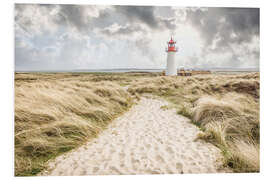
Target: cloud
(87, 36)
(116, 30)
(223, 29)
(231, 25)
(143, 14)
(81, 17)
(147, 16)
(35, 19)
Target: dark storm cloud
(145, 15)
(136, 16)
(73, 15)
(76, 15)
(225, 22)
(225, 27)
(79, 17)
(221, 22)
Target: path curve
(145, 140)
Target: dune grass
(232, 125)
(225, 107)
(56, 113)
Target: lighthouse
(171, 64)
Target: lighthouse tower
(171, 64)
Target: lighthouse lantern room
(171, 64)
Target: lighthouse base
(171, 65)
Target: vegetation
(56, 112)
(225, 107)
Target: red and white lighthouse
(171, 64)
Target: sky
(70, 37)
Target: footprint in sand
(145, 140)
(169, 150)
(160, 159)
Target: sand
(145, 140)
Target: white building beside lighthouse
(171, 69)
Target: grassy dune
(225, 107)
(56, 113)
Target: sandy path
(145, 140)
